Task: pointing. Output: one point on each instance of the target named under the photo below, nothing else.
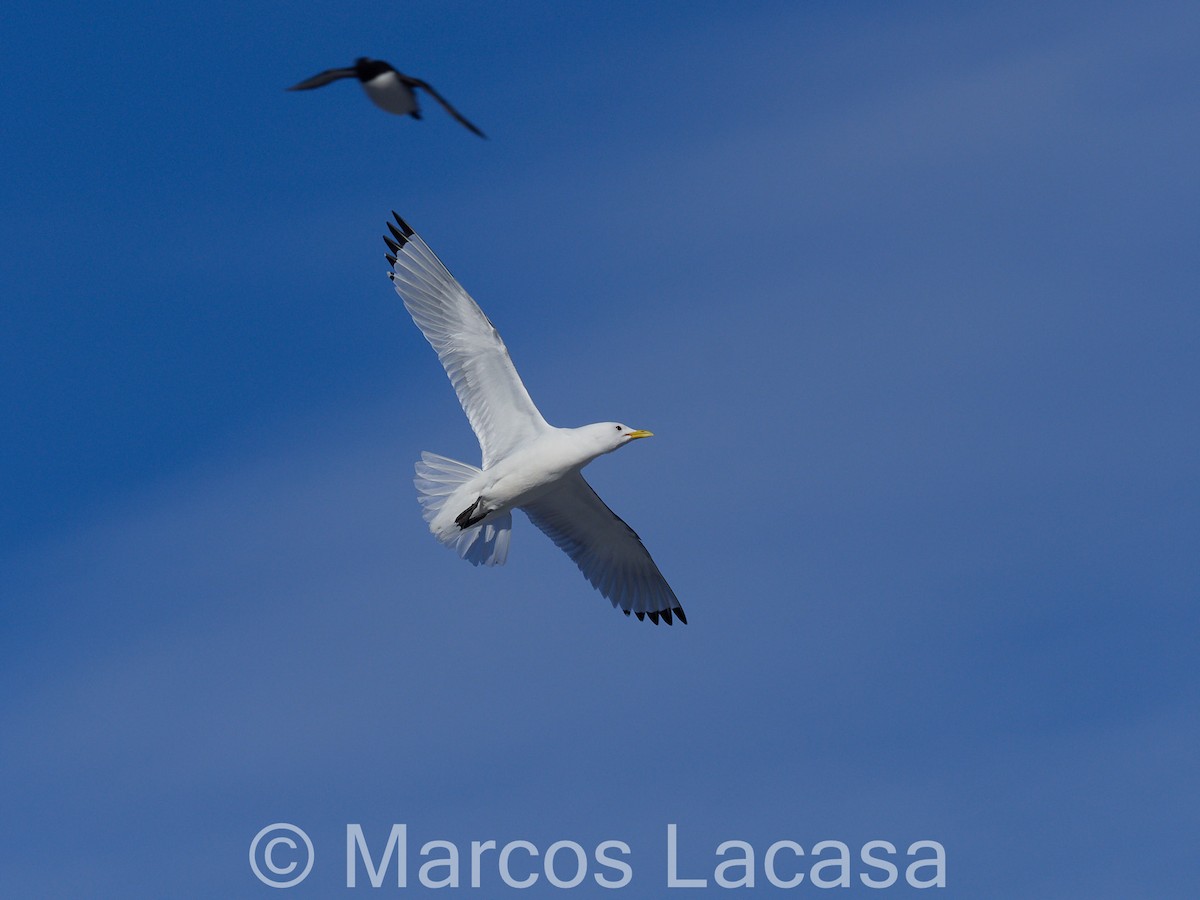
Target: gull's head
(608, 436)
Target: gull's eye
(618, 428)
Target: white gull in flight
(528, 464)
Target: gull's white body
(526, 475)
(528, 464)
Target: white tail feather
(438, 479)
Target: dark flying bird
(388, 89)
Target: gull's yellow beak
(641, 433)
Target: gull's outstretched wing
(488, 386)
(608, 552)
(323, 78)
(426, 86)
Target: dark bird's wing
(425, 86)
(324, 78)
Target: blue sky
(906, 292)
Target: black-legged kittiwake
(527, 463)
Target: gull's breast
(531, 472)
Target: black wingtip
(392, 245)
(405, 228)
(666, 615)
(391, 259)
(400, 238)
